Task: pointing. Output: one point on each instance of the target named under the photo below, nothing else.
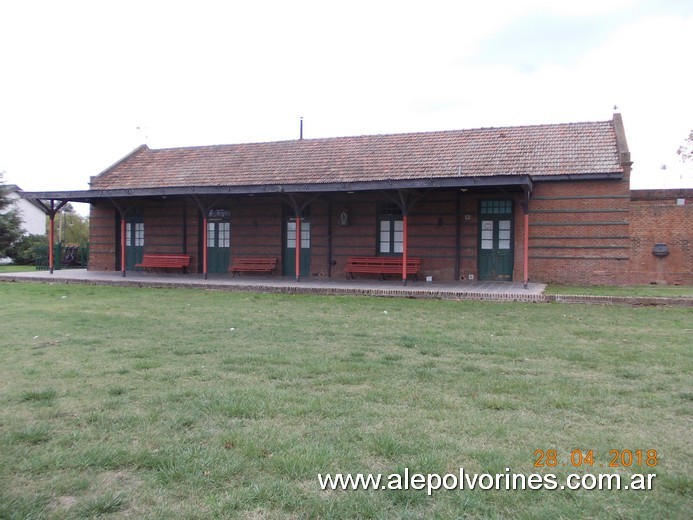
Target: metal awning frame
(88, 196)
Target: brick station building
(546, 203)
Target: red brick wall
(164, 227)
(358, 238)
(256, 227)
(432, 225)
(579, 232)
(319, 241)
(656, 218)
(102, 241)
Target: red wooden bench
(252, 264)
(381, 265)
(163, 261)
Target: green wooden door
(218, 241)
(289, 262)
(495, 255)
(134, 244)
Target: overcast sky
(79, 78)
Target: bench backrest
(163, 260)
(381, 261)
(250, 261)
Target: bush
(23, 252)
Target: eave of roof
(182, 191)
(524, 182)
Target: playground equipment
(69, 256)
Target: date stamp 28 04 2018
(586, 458)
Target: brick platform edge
(451, 294)
(616, 300)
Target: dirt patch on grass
(64, 502)
(119, 483)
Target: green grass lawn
(157, 403)
(12, 268)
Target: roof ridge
(385, 135)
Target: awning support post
(525, 249)
(205, 233)
(204, 211)
(123, 244)
(51, 242)
(405, 200)
(298, 205)
(405, 254)
(51, 210)
(298, 248)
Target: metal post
(123, 244)
(526, 247)
(458, 228)
(298, 249)
(404, 248)
(329, 237)
(51, 241)
(204, 247)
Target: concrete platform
(494, 291)
(504, 291)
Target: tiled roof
(547, 150)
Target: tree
(686, 148)
(10, 221)
(25, 250)
(71, 227)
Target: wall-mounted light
(660, 250)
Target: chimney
(621, 143)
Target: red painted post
(405, 255)
(204, 247)
(298, 249)
(526, 248)
(51, 244)
(123, 244)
